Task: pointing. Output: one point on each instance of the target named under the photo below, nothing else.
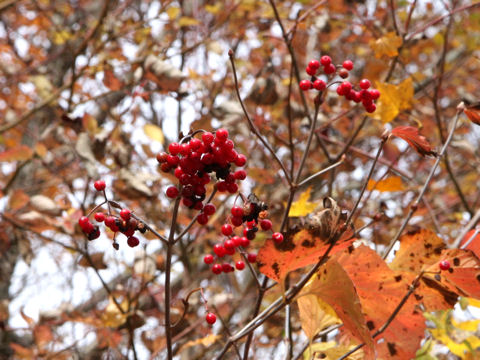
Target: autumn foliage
(239, 179)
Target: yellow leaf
(213, 9)
(315, 315)
(154, 132)
(387, 45)
(392, 183)
(60, 37)
(393, 99)
(141, 34)
(330, 351)
(18, 153)
(112, 316)
(173, 12)
(40, 150)
(302, 206)
(90, 124)
(205, 341)
(187, 21)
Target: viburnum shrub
(205, 171)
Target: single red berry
(236, 221)
(227, 229)
(305, 85)
(237, 211)
(341, 90)
(195, 144)
(202, 219)
(241, 160)
(129, 232)
(310, 71)
(221, 134)
(222, 186)
(211, 318)
(99, 216)
(110, 221)
(346, 87)
(172, 160)
(187, 202)
(325, 60)
(198, 205)
(209, 209)
(314, 64)
(371, 108)
(125, 214)
(252, 258)
(240, 265)
(217, 269)
(375, 94)
(232, 188)
(240, 174)
(277, 237)
(348, 65)
(207, 137)
(133, 241)
(364, 84)
(165, 167)
(229, 244)
(174, 148)
(83, 221)
(237, 241)
(319, 85)
(444, 265)
(178, 172)
(365, 95)
(226, 268)
(99, 185)
(208, 259)
(330, 69)
(266, 224)
(172, 192)
(230, 251)
(219, 250)
(244, 242)
(162, 157)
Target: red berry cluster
(252, 215)
(192, 163)
(124, 223)
(363, 94)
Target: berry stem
(318, 173)
(95, 209)
(252, 125)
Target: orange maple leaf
(414, 139)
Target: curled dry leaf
(472, 111)
(411, 135)
(165, 75)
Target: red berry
(221, 134)
(365, 95)
(319, 85)
(110, 221)
(209, 209)
(211, 318)
(343, 73)
(325, 60)
(162, 157)
(172, 160)
(132, 241)
(125, 214)
(219, 250)
(202, 219)
(222, 186)
(195, 144)
(266, 224)
(99, 185)
(277, 237)
(310, 71)
(348, 65)
(346, 87)
(305, 85)
(236, 221)
(252, 258)
(241, 160)
(370, 108)
(198, 205)
(314, 64)
(226, 268)
(230, 251)
(207, 137)
(364, 84)
(232, 188)
(227, 229)
(165, 167)
(240, 265)
(237, 211)
(375, 94)
(229, 244)
(187, 202)
(444, 265)
(174, 148)
(83, 221)
(129, 232)
(237, 241)
(330, 69)
(217, 269)
(341, 90)
(244, 242)
(99, 216)
(208, 259)
(240, 174)
(172, 192)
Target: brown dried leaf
(414, 139)
(96, 261)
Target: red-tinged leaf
(22, 352)
(380, 290)
(473, 112)
(333, 285)
(463, 277)
(18, 153)
(473, 244)
(27, 318)
(304, 246)
(414, 139)
(18, 199)
(111, 81)
(417, 249)
(43, 335)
